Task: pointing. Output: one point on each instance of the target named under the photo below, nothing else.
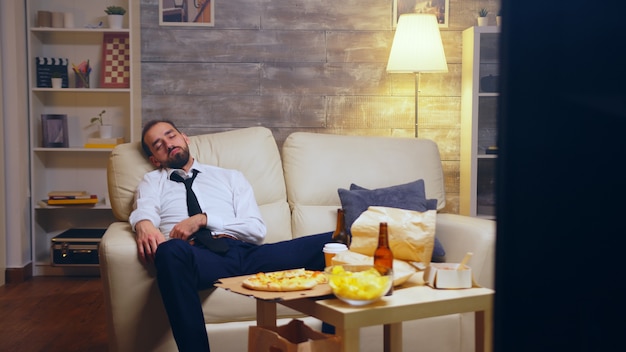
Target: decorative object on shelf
(54, 131)
(46, 66)
(499, 18)
(417, 48)
(57, 80)
(44, 19)
(489, 84)
(94, 26)
(103, 142)
(482, 17)
(57, 20)
(439, 8)
(71, 197)
(492, 150)
(115, 61)
(115, 16)
(68, 20)
(105, 131)
(76, 247)
(81, 74)
(200, 13)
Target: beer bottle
(340, 235)
(383, 258)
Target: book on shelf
(88, 196)
(68, 200)
(103, 142)
(68, 193)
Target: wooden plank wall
(302, 65)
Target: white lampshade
(417, 45)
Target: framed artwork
(115, 61)
(440, 8)
(54, 131)
(186, 13)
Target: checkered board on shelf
(115, 61)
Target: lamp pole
(417, 97)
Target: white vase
(115, 21)
(57, 83)
(106, 131)
(482, 21)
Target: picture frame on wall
(440, 8)
(187, 13)
(54, 131)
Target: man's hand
(188, 227)
(148, 239)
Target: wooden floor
(53, 314)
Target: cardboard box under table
(76, 247)
(288, 338)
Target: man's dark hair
(146, 127)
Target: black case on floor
(76, 247)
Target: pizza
(285, 280)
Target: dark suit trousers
(183, 269)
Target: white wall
(14, 203)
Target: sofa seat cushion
(222, 306)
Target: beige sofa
(297, 195)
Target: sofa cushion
(408, 196)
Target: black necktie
(203, 235)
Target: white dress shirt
(225, 196)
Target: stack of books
(103, 142)
(71, 197)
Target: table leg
(265, 313)
(350, 339)
(392, 337)
(483, 321)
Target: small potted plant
(115, 15)
(482, 17)
(106, 131)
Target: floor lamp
(417, 48)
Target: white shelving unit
(480, 70)
(75, 167)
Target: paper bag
(411, 233)
(293, 337)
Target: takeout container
(446, 275)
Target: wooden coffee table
(406, 303)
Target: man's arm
(246, 222)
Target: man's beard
(179, 159)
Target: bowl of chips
(359, 285)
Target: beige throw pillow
(411, 233)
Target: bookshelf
(479, 99)
(77, 166)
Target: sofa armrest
(461, 234)
(133, 305)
